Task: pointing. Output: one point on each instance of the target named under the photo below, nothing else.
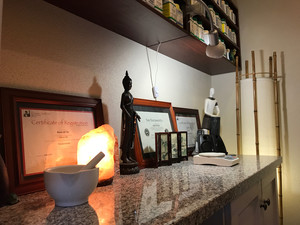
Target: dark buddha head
(127, 82)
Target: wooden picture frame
(144, 142)
(188, 120)
(163, 152)
(16, 106)
(183, 140)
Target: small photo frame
(174, 147)
(163, 153)
(183, 140)
(188, 120)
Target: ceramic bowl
(69, 186)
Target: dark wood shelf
(136, 20)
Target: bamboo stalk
(277, 127)
(237, 87)
(255, 104)
(270, 67)
(247, 69)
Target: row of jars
(197, 30)
(226, 9)
(222, 25)
(169, 9)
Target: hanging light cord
(155, 76)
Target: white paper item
(218, 161)
(265, 113)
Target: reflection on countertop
(71, 215)
(182, 193)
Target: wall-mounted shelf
(139, 22)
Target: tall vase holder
(272, 74)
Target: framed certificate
(156, 117)
(41, 130)
(188, 120)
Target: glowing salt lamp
(90, 144)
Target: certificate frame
(186, 112)
(149, 160)
(12, 144)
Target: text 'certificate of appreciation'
(188, 124)
(151, 123)
(50, 137)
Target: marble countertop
(179, 194)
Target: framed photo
(41, 130)
(163, 151)
(188, 120)
(183, 139)
(174, 147)
(156, 117)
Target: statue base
(129, 168)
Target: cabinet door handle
(264, 205)
(268, 202)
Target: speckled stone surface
(179, 194)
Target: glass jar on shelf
(218, 21)
(201, 31)
(224, 26)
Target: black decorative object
(129, 117)
(208, 138)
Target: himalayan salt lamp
(90, 144)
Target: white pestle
(94, 161)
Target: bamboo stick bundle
(255, 103)
(277, 127)
(270, 67)
(237, 87)
(247, 69)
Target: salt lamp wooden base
(105, 182)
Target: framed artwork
(183, 140)
(41, 130)
(174, 147)
(156, 117)
(188, 120)
(163, 151)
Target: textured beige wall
(267, 26)
(225, 94)
(46, 48)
